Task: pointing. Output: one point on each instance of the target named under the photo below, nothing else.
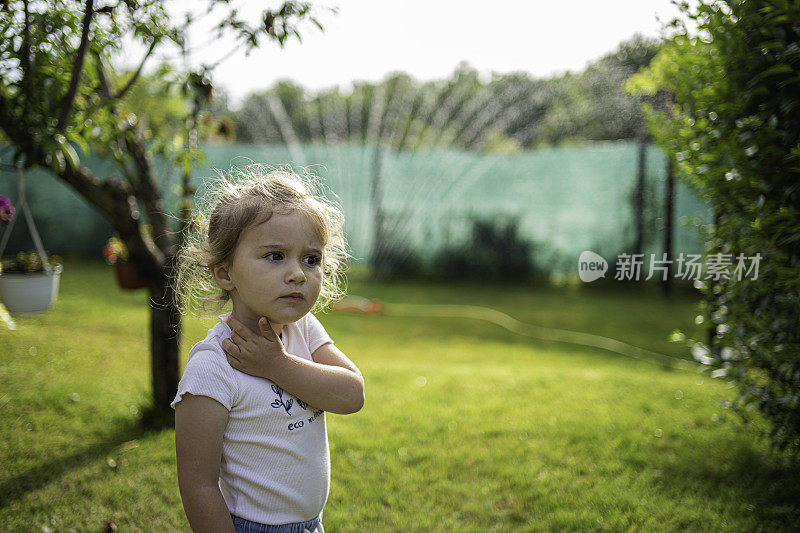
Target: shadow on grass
(150, 421)
(764, 484)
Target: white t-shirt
(275, 466)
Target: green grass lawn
(466, 427)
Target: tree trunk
(638, 198)
(669, 215)
(378, 237)
(713, 345)
(165, 337)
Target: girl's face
(276, 269)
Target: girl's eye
(312, 260)
(274, 256)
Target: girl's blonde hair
(240, 199)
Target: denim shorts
(243, 525)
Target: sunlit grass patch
(466, 427)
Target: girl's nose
(295, 273)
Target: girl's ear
(222, 277)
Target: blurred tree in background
(507, 113)
(494, 251)
(61, 96)
(161, 102)
(735, 131)
(504, 114)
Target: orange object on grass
(358, 304)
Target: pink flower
(6, 209)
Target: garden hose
(373, 306)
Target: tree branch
(143, 182)
(135, 76)
(142, 178)
(105, 93)
(115, 200)
(77, 68)
(26, 61)
(105, 90)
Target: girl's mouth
(293, 297)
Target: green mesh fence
(564, 199)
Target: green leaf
(780, 68)
(80, 141)
(70, 156)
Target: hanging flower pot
(28, 285)
(116, 255)
(128, 277)
(29, 293)
(29, 282)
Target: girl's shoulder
(212, 344)
(310, 332)
(208, 355)
(309, 322)
(208, 373)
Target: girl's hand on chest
(253, 353)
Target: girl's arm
(199, 424)
(330, 382)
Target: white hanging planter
(29, 292)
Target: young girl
(250, 435)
